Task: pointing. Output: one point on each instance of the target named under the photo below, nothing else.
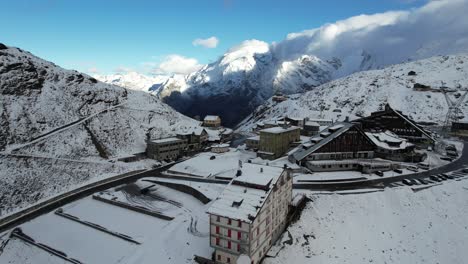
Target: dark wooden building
(460, 128)
(340, 141)
(398, 123)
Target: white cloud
(211, 42)
(177, 64)
(393, 36)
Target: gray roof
(338, 129)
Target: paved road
(387, 181)
(73, 195)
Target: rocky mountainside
(250, 73)
(60, 128)
(416, 88)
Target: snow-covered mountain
(133, 80)
(418, 95)
(58, 128)
(248, 74)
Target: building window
(258, 230)
(219, 257)
(239, 235)
(229, 221)
(238, 247)
(217, 241)
(239, 224)
(217, 230)
(229, 244)
(217, 219)
(229, 232)
(228, 260)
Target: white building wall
(258, 237)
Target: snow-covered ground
(224, 165)
(162, 241)
(69, 124)
(397, 225)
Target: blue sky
(112, 35)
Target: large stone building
(275, 141)
(250, 214)
(212, 121)
(166, 148)
(398, 123)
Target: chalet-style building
(195, 138)
(398, 123)
(275, 141)
(251, 213)
(340, 141)
(166, 148)
(295, 121)
(212, 121)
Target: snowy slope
(133, 80)
(392, 226)
(248, 74)
(38, 97)
(362, 93)
(66, 125)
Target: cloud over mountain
(211, 42)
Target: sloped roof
(401, 115)
(329, 134)
(241, 202)
(211, 118)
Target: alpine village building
(166, 148)
(251, 213)
(398, 123)
(212, 121)
(275, 141)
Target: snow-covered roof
(254, 138)
(312, 123)
(164, 140)
(320, 120)
(276, 122)
(211, 118)
(192, 130)
(245, 195)
(388, 140)
(325, 138)
(277, 130)
(220, 146)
